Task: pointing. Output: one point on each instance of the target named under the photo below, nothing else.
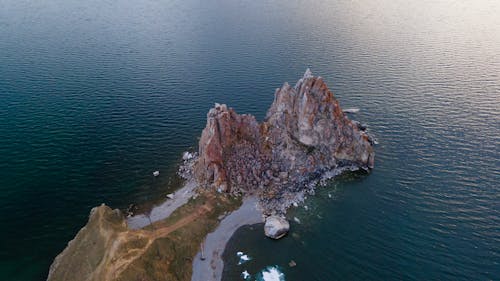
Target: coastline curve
(249, 213)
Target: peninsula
(244, 172)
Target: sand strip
(181, 197)
(215, 242)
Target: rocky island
(304, 140)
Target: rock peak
(308, 74)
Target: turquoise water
(96, 95)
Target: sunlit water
(95, 95)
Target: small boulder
(276, 227)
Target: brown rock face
(305, 135)
(229, 145)
(308, 129)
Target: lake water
(95, 95)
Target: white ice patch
(243, 258)
(271, 273)
(245, 275)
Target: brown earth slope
(105, 249)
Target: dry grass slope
(105, 249)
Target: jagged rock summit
(304, 138)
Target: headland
(244, 172)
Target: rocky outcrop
(229, 150)
(304, 138)
(276, 227)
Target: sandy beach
(215, 242)
(181, 197)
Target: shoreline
(215, 242)
(165, 209)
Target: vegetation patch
(107, 250)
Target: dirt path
(119, 265)
(164, 231)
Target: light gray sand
(164, 210)
(210, 269)
(215, 242)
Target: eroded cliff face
(304, 137)
(229, 150)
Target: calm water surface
(95, 95)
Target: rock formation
(229, 150)
(304, 138)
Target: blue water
(95, 95)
